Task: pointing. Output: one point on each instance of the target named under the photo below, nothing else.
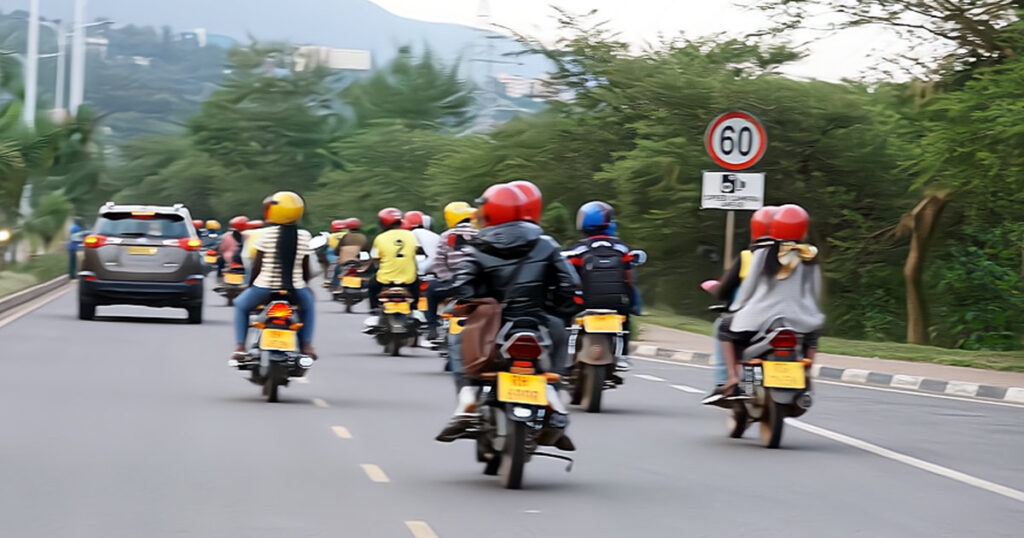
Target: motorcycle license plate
(397, 308)
(278, 340)
(456, 325)
(142, 251)
(784, 375)
(605, 323)
(234, 279)
(210, 259)
(523, 389)
(422, 304)
(352, 282)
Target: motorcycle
(351, 288)
(210, 261)
(519, 408)
(597, 342)
(233, 284)
(272, 342)
(775, 376)
(398, 325)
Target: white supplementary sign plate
(736, 140)
(742, 191)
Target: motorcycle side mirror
(364, 256)
(640, 256)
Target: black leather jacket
(546, 282)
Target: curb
(859, 377)
(24, 296)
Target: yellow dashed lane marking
(341, 432)
(375, 473)
(319, 402)
(420, 529)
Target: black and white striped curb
(858, 376)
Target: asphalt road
(134, 426)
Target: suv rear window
(142, 224)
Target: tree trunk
(919, 224)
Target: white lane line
(319, 402)
(342, 432)
(687, 388)
(23, 310)
(946, 472)
(648, 377)
(420, 529)
(375, 473)
(865, 387)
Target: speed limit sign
(736, 140)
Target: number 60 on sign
(736, 140)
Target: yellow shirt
(334, 239)
(251, 238)
(396, 250)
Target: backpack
(603, 274)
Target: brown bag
(479, 334)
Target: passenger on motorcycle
(349, 247)
(512, 261)
(604, 263)
(461, 229)
(394, 253)
(727, 286)
(419, 224)
(282, 262)
(784, 281)
(230, 247)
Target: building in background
(308, 57)
(538, 89)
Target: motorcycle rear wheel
(514, 457)
(772, 420)
(592, 381)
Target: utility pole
(32, 66)
(78, 60)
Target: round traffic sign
(736, 140)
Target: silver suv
(142, 255)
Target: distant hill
(357, 24)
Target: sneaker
(565, 444)
(432, 334)
(459, 426)
(716, 396)
(737, 395)
(623, 364)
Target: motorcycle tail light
(784, 340)
(279, 310)
(523, 346)
(211, 252)
(351, 272)
(522, 367)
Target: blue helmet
(613, 229)
(594, 217)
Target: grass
(1007, 361)
(37, 270)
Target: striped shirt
(270, 273)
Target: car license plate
(422, 304)
(210, 259)
(352, 282)
(524, 389)
(142, 251)
(397, 308)
(234, 279)
(278, 340)
(605, 323)
(456, 325)
(784, 375)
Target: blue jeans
(721, 372)
(253, 297)
(455, 359)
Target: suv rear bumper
(113, 292)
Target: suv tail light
(95, 241)
(279, 310)
(784, 340)
(523, 346)
(190, 244)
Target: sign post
(735, 141)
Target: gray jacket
(762, 298)
(448, 257)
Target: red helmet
(353, 223)
(761, 222)
(198, 224)
(338, 225)
(790, 223)
(239, 223)
(502, 203)
(254, 224)
(389, 216)
(534, 206)
(412, 220)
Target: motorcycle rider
(230, 247)
(512, 244)
(282, 262)
(458, 216)
(419, 224)
(783, 281)
(349, 247)
(604, 263)
(329, 253)
(729, 284)
(394, 253)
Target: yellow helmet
(212, 225)
(457, 212)
(283, 207)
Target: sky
(847, 54)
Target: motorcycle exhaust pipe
(804, 401)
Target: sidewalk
(663, 342)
